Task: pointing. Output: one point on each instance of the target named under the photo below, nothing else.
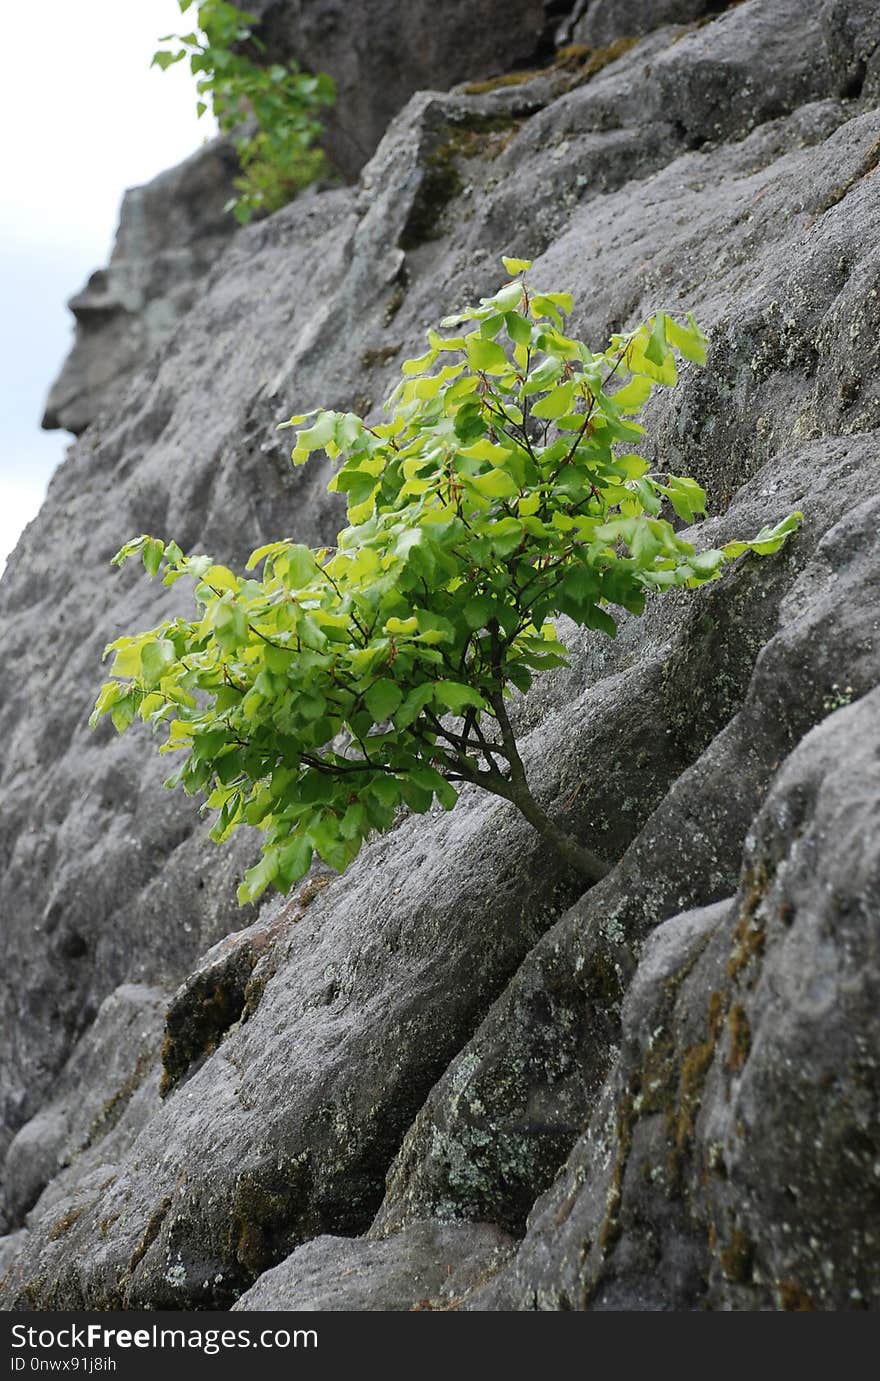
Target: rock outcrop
(170, 233)
(731, 1159)
(172, 230)
(430, 1266)
(660, 1094)
(379, 54)
(496, 1124)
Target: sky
(84, 117)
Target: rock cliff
(170, 232)
(450, 1078)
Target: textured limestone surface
(173, 229)
(507, 1108)
(665, 1089)
(429, 1266)
(379, 53)
(170, 233)
(745, 1085)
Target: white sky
(83, 117)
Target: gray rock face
(170, 233)
(604, 21)
(731, 1160)
(172, 230)
(108, 878)
(107, 1068)
(505, 1112)
(309, 1097)
(453, 1009)
(757, 61)
(381, 51)
(853, 38)
(430, 1266)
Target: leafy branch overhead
(280, 157)
(503, 490)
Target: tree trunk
(577, 855)
(515, 788)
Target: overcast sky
(83, 117)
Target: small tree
(280, 157)
(352, 680)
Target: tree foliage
(280, 157)
(341, 684)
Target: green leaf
(656, 349)
(633, 394)
(416, 797)
(646, 491)
(386, 790)
(706, 563)
(485, 356)
(299, 566)
(543, 376)
(597, 618)
(270, 549)
(768, 540)
(123, 712)
(507, 299)
(556, 403)
(293, 861)
(518, 328)
(431, 780)
(455, 696)
(644, 353)
(516, 265)
(130, 549)
(542, 305)
(445, 342)
(505, 536)
(420, 365)
(686, 496)
(333, 848)
(497, 484)
(153, 552)
(402, 627)
(413, 704)
(111, 691)
(156, 658)
(477, 611)
(564, 301)
(219, 578)
(258, 878)
(229, 626)
(469, 425)
(314, 438)
(491, 326)
(382, 699)
(630, 466)
(687, 340)
(354, 823)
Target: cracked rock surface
(661, 1094)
